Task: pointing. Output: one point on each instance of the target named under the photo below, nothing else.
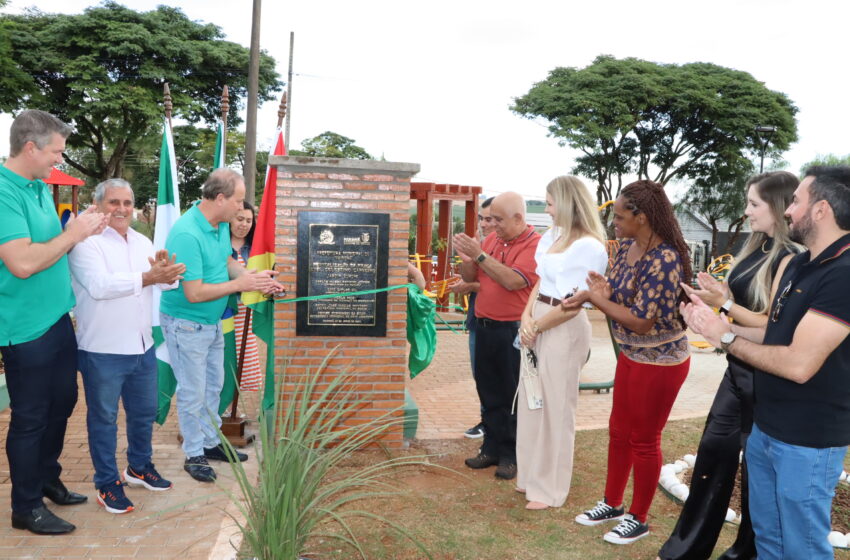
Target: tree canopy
(720, 196)
(103, 71)
(828, 159)
(331, 144)
(657, 121)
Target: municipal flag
(167, 212)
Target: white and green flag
(219, 146)
(167, 212)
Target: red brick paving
(190, 522)
(448, 403)
(187, 521)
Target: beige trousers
(546, 436)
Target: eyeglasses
(780, 301)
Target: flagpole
(240, 363)
(166, 95)
(288, 94)
(225, 108)
(281, 114)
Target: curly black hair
(649, 198)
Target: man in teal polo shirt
(191, 315)
(36, 336)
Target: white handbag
(530, 379)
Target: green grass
(469, 515)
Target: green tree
(331, 144)
(657, 121)
(720, 196)
(104, 70)
(828, 159)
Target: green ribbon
(362, 293)
(344, 294)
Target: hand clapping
(712, 291)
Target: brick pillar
(378, 364)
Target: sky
(431, 82)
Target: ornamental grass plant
(301, 491)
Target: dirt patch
(840, 503)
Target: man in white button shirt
(113, 275)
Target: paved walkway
(448, 403)
(190, 521)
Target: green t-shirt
(205, 251)
(28, 307)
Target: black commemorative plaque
(341, 252)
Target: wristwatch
(727, 305)
(726, 340)
(480, 258)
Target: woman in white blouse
(573, 246)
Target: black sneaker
(481, 461)
(111, 496)
(199, 469)
(627, 531)
(475, 432)
(506, 470)
(218, 453)
(146, 478)
(601, 513)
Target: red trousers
(643, 397)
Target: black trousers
(726, 430)
(41, 376)
(496, 378)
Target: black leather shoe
(60, 495)
(481, 461)
(41, 521)
(217, 453)
(506, 470)
(199, 469)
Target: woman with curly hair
(641, 297)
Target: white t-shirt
(566, 272)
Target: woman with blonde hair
(745, 297)
(560, 340)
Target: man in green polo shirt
(36, 336)
(191, 314)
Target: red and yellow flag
(262, 257)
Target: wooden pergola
(425, 195)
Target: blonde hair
(576, 214)
(775, 188)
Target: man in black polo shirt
(802, 384)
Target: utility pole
(289, 91)
(250, 170)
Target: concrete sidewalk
(190, 521)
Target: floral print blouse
(649, 289)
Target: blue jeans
(791, 491)
(41, 376)
(197, 358)
(106, 378)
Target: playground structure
(425, 195)
(58, 179)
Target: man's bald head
(508, 213)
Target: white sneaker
(627, 531)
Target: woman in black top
(745, 297)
